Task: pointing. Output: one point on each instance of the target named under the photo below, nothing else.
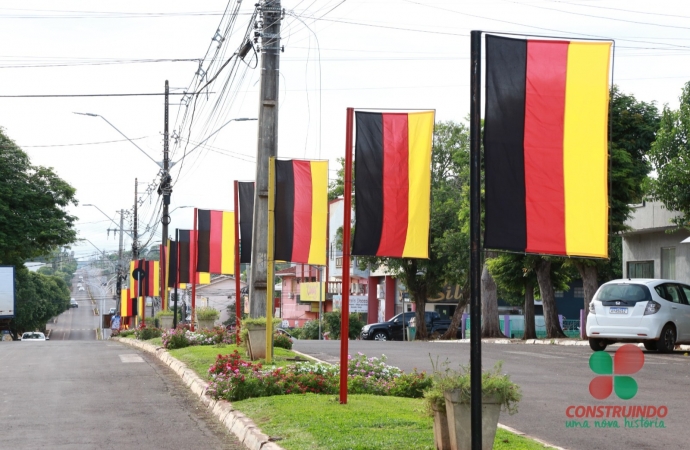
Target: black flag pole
(475, 228)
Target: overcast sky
(338, 54)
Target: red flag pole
(345, 311)
(193, 239)
(238, 313)
(162, 264)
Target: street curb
(566, 342)
(237, 423)
(520, 433)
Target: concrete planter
(257, 341)
(460, 424)
(441, 433)
(166, 322)
(205, 324)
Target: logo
(614, 372)
(618, 303)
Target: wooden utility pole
(271, 15)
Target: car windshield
(628, 292)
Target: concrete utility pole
(271, 15)
(120, 264)
(165, 190)
(135, 237)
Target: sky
(337, 54)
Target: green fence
(571, 328)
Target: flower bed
(234, 379)
(182, 337)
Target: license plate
(618, 310)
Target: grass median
(320, 421)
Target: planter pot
(166, 322)
(460, 424)
(205, 324)
(441, 433)
(257, 341)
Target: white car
(81, 288)
(34, 336)
(649, 311)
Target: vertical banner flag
(393, 183)
(172, 263)
(186, 267)
(216, 242)
(545, 146)
(301, 211)
(150, 284)
(246, 216)
(125, 303)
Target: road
(84, 395)
(81, 324)
(552, 378)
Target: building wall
(647, 247)
(650, 216)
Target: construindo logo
(614, 373)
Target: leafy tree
(670, 158)
(33, 202)
(39, 298)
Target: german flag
(186, 269)
(393, 183)
(246, 219)
(545, 143)
(301, 211)
(149, 285)
(125, 303)
(216, 242)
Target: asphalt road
(87, 395)
(553, 378)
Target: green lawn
(368, 422)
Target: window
(668, 263)
(339, 262)
(641, 269)
(558, 294)
(579, 292)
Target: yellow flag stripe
(420, 128)
(227, 263)
(585, 156)
(319, 212)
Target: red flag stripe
(216, 242)
(543, 146)
(395, 185)
(302, 211)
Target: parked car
(81, 288)
(34, 336)
(392, 330)
(73, 303)
(112, 311)
(285, 333)
(653, 312)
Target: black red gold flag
(216, 242)
(246, 219)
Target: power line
(86, 95)
(83, 143)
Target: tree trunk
(420, 304)
(491, 327)
(530, 327)
(590, 284)
(456, 320)
(553, 326)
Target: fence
(516, 328)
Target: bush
(126, 333)
(146, 333)
(282, 341)
(333, 319)
(310, 330)
(207, 313)
(182, 337)
(296, 332)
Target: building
(218, 294)
(654, 247)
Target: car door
(395, 328)
(684, 315)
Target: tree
(33, 201)
(670, 158)
(633, 130)
(39, 298)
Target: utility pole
(271, 15)
(120, 264)
(165, 190)
(135, 244)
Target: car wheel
(380, 336)
(598, 345)
(650, 345)
(667, 340)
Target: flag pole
(345, 310)
(193, 239)
(270, 258)
(238, 313)
(475, 229)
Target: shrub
(333, 320)
(164, 312)
(146, 333)
(207, 313)
(310, 330)
(296, 332)
(127, 333)
(183, 337)
(282, 341)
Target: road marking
(538, 355)
(130, 358)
